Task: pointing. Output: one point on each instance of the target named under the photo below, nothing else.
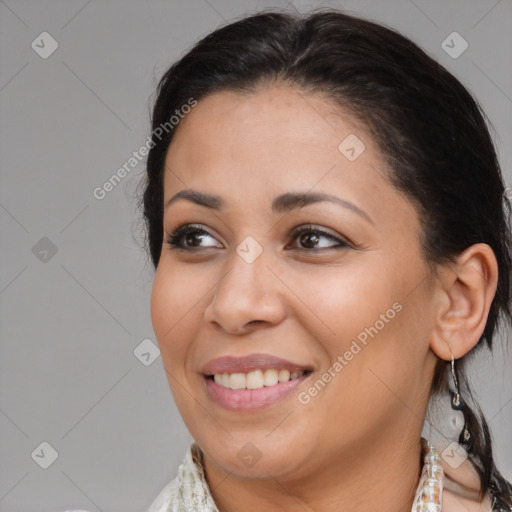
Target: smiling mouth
(253, 391)
(256, 379)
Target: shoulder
(462, 491)
(501, 491)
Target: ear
(465, 293)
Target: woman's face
(306, 259)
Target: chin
(255, 456)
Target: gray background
(71, 321)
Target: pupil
(309, 239)
(192, 239)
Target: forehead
(250, 148)
(278, 130)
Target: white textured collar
(189, 489)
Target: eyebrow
(281, 204)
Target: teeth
(270, 377)
(237, 381)
(284, 375)
(255, 379)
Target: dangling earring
(458, 404)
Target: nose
(248, 296)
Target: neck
(382, 475)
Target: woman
(326, 215)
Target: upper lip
(234, 364)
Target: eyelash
(174, 238)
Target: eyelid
(183, 229)
(312, 227)
(342, 241)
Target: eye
(190, 236)
(312, 237)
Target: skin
(356, 445)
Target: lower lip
(251, 399)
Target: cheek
(368, 314)
(342, 301)
(175, 310)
